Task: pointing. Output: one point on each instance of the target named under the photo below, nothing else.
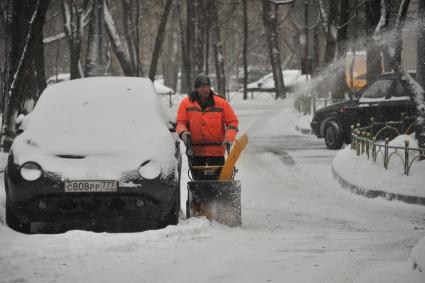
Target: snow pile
(369, 175)
(61, 77)
(258, 98)
(160, 88)
(400, 141)
(302, 123)
(418, 257)
(117, 129)
(411, 270)
(158, 85)
(291, 78)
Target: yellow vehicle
(355, 70)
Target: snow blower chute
(213, 191)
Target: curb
(303, 131)
(376, 193)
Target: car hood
(92, 160)
(335, 107)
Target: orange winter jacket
(209, 124)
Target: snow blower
(213, 191)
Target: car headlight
(150, 170)
(31, 171)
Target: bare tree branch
(383, 21)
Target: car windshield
(379, 89)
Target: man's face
(204, 91)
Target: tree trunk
(190, 32)
(420, 65)
(96, 60)
(129, 69)
(373, 53)
(170, 56)
(159, 39)
(401, 19)
(420, 73)
(245, 49)
(38, 52)
(270, 24)
(408, 82)
(395, 61)
(4, 16)
(383, 20)
(22, 85)
(139, 67)
(331, 32)
(218, 50)
(200, 36)
(340, 86)
(316, 55)
(342, 27)
(72, 20)
(131, 36)
(185, 83)
(207, 40)
(380, 30)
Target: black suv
(384, 100)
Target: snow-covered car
(95, 154)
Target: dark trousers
(206, 161)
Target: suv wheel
(333, 135)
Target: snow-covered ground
(298, 226)
(372, 175)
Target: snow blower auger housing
(215, 194)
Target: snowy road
(298, 226)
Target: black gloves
(228, 144)
(185, 137)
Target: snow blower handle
(189, 150)
(185, 137)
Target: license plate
(90, 186)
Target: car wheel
(13, 222)
(333, 135)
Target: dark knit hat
(202, 80)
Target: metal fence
(366, 141)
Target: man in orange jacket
(208, 122)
